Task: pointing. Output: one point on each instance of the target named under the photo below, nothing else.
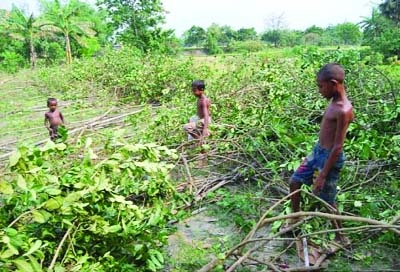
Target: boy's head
(198, 87)
(329, 77)
(52, 104)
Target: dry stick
(264, 221)
(276, 257)
(247, 254)
(332, 217)
(243, 258)
(379, 227)
(303, 268)
(18, 218)
(188, 173)
(362, 183)
(257, 226)
(214, 262)
(71, 244)
(53, 261)
(270, 265)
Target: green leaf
(7, 254)
(23, 265)
(21, 183)
(357, 203)
(59, 268)
(6, 188)
(50, 145)
(41, 216)
(14, 158)
(53, 191)
(114, 228)
(52, 204)
(52, 179)
(61, 146)
(221, 256)
(11, 232)
(34, 247)
(35, 264)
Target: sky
(260, 14)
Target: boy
(197, 127)
(53, 119)
(327, 157)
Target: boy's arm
(47, 122)
(342, 124)
(62, 118)
(206, 115)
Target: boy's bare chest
(53, 115)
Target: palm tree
(374, 26)
(69, 21)
(391, 9)
(23, 27)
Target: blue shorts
(312, 165)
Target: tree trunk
(68, 52)
(32, 54)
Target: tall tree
(382, 34)
(70, 20)
(391, 9)
(348, 33)
(136, 22)
(194, 36)
(25, 28)
(245, 34)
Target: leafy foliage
(93, 214)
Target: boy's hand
(206, 132)
(318, 184)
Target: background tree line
(72, 29)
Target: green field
(125, 179)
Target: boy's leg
(295, 198)
(191, 130)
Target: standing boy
(197, 127)
(327, 158)
(53, 118)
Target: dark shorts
(54, 134)
(312, 165)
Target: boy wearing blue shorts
(326, 159)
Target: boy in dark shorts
(53, 119)
(326, 160)
(197, 128)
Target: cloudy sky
(295, 14)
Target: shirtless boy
(53, 118)
(197, 127)
(327, 157)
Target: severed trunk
(32, 54)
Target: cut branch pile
(96, 123)
(243, 252)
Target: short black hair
(199, 84)
(51, 99)
(331, 71)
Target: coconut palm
(68, 20)
(391, 9)
(26, 28)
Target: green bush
(11, 62)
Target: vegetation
(106, 196)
